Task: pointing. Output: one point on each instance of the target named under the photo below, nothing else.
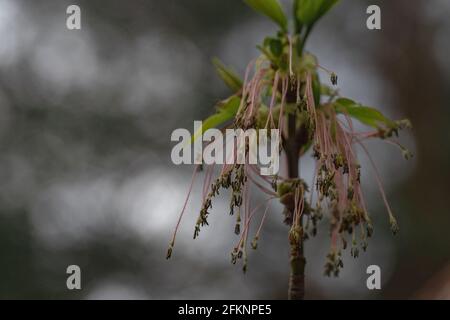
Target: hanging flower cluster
(281, 90)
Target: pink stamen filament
(172, 242)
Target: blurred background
(85, 170)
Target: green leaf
(268, 54)
(297, 25)
(271, 9)
(327, 90)
(309, 11)
(316, 88)
(276, 47)
(366, 115)
(231, 79)
(226, 110)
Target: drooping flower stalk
(281, 90)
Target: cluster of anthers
(285, 86)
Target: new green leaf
(226, 111)
(366, 115)
(231, 79)
(316, 88)
(271, 9)
(309, 11)
(276, 47)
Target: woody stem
(293, 145)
